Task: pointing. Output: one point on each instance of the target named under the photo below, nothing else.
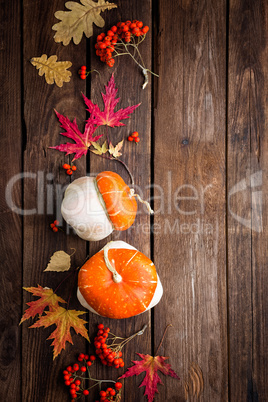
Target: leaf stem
(164, 334)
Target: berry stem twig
(164, 334)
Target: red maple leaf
(64, 320)
(47, 298)
(109, 117)
(150, 365)
(82, 141)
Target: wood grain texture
(129, 80)
(44, 192)
(247, 189)
(189, 167)
(10, 200)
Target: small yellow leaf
(79, 20)
(115, 150)
(55, 71)
(59, 262)
(99, 150)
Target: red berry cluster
(111, 393)
(122, 32)
(134, 137)
(72, 375)
(108, 351)
(83, 72)
(69, 168)
(54, 226)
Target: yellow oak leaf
(79, 20)
(114, 151)
(59, 262)
(64, 320)
(55, 71)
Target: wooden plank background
(202, 160)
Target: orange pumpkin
(95, 206)
(119, 282)
(120, 204)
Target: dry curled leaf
(114, 151)
(59, 262)
(55, 71)
(194, 384)
(79, 20)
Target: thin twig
(160, 344)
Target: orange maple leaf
(47, 299)
(64, 320)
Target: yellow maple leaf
(64, 320)
(99, 149)
(55, 71)
(115, 150)
(79, 20)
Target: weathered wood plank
(44, 192)
(128, 80)
(189, 166)
(247, 188)
(10, 219)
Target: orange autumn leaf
(64, 320)
(47, 298)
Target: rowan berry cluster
(54, 226)
(115, 40)
(111, 394)
(69, 168)
(74, 378)
(107, 349)
(134, 137)
(83, 72)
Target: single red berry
(137, 139)
(66, 166)
(89, 364)
(102, 393)
(145, 29)
(135, 134)
(92, 358)
(65, 372)
(116, 362)
(112, 392)
(69, 368)
(52, 225)
(75, 367)
(139, 24)
(81, 356)
(56, 222)
(67, 382)
(83, 68)
(73, 168)
(72, 386)
(86, 357)
(77, 382)
(100, 326)
(55, 229)
(83, 76)
(69, 172)
(130, 138)
(85, 392)
(83, 369)
(118, 385)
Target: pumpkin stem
(116, 276)
(132, 194)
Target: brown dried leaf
(59, 262)
(79, 20)
(55, 71)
